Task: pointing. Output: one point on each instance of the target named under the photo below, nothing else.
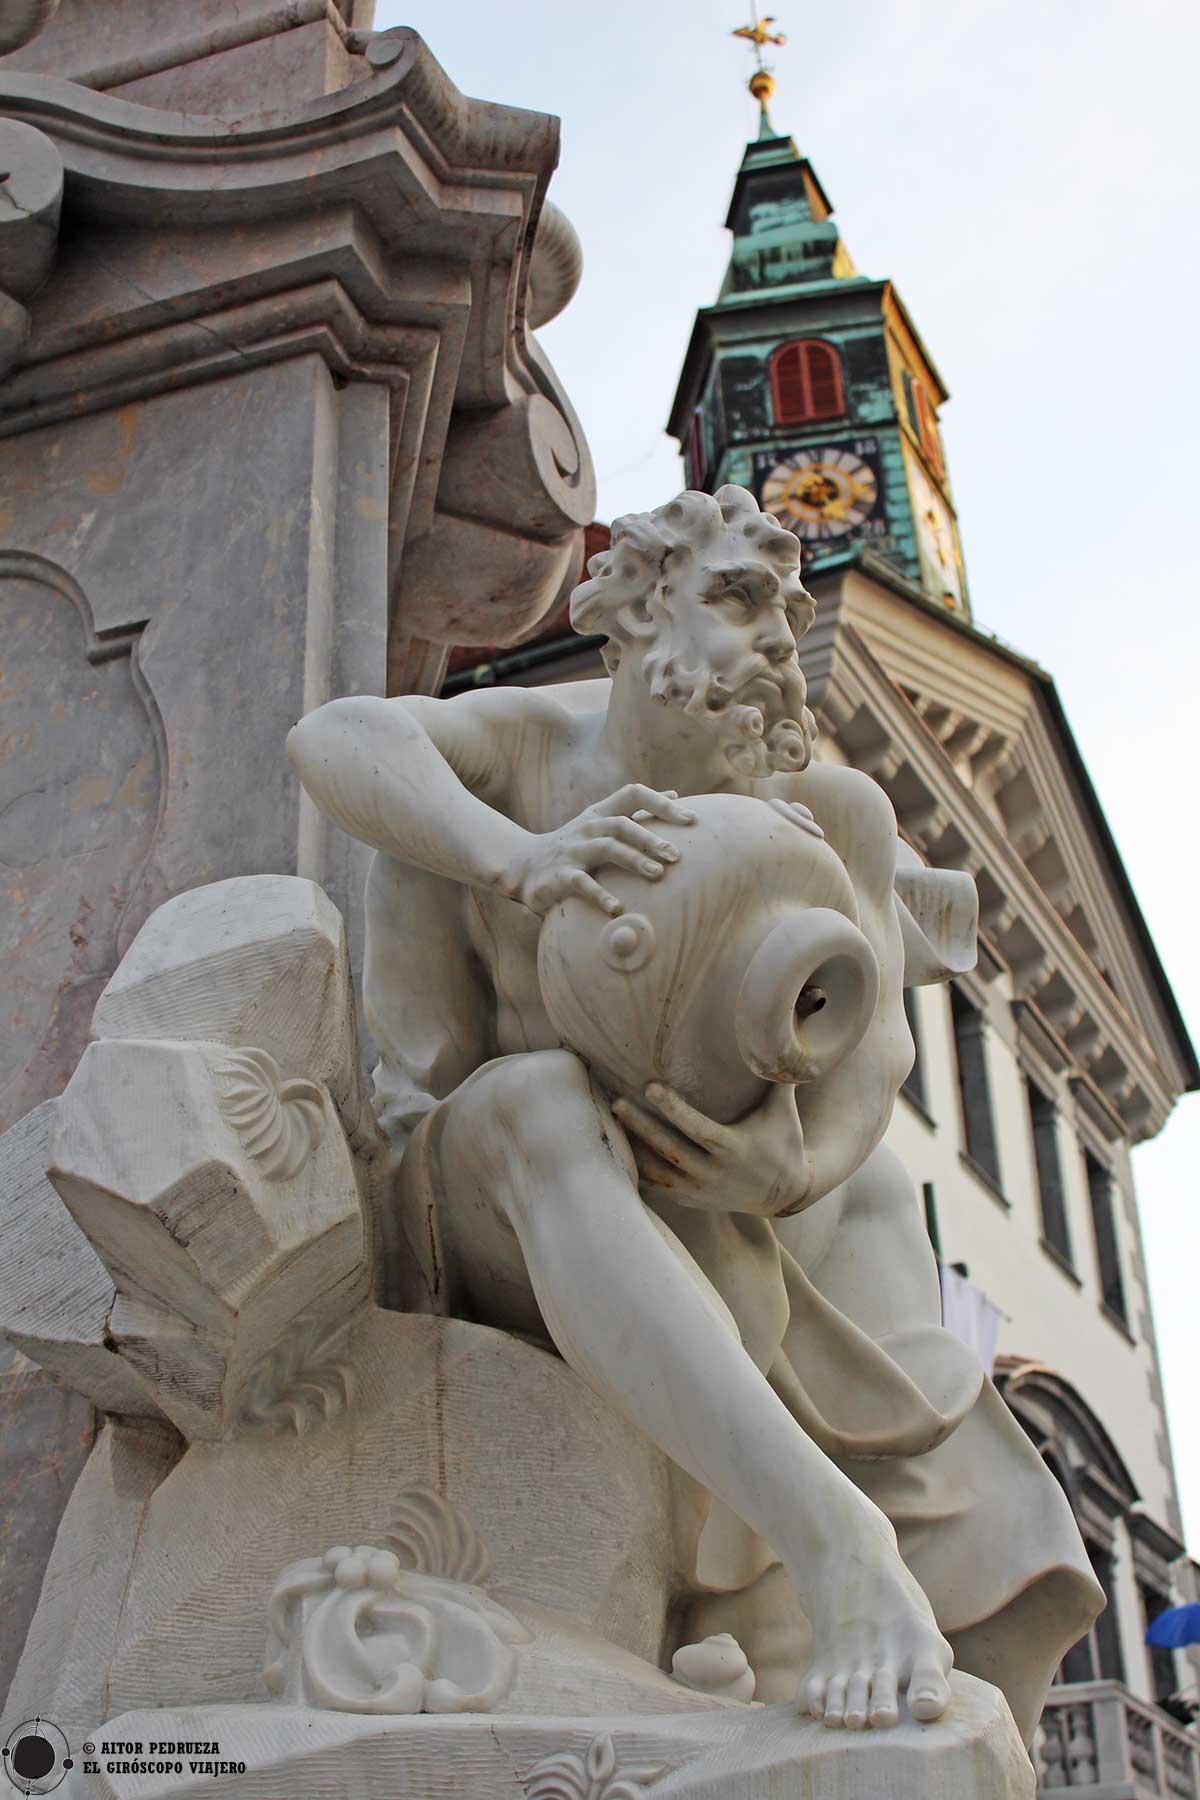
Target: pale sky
(1028, 177)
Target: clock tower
(809, 383)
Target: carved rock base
(728, 1753)
(315, 1589)
(175, 1552)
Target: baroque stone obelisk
(270, 407)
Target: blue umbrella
(1178, 1626)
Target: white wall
(1047, 1316)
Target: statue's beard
(758, 711)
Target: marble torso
(504, 938)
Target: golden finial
(762, 81)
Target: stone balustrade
(1102, 1742)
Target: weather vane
(762, 81)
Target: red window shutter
(791, 387)
(824, 381)
(806, 382)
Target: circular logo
(36, 1757)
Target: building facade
(1037, 1073)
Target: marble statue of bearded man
(758, 1294)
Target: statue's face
(725, 651)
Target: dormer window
(806, 382)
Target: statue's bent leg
(989, 1533)
(630, 1312)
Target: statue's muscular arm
(428, 782)
(434, 784)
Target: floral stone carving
(591, 1774)
(432, 1535)
(358, 1631)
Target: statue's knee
(522, 1094)
(563, 1074)
(509, 1130)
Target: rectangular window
(1079, 1664)
(1043, 1115)
(910, 402)
(979, 1129)
(1108, 1254)
(1097, 1657)
(914, 1081)
(1162, 1662)
(1110, 1664)
(696, 457)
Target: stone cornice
(1036, 1033)
(1152, 1542)
(1105, 1118)
(467, 143)
(400, 232)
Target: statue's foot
(874, 1637)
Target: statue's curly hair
(623, 596)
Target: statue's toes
(928, 1691)
(858, 1700)
(885, 1697)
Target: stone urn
(744, 964)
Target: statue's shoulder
(553, 707)
(833, 788)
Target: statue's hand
(552, 864)
(756, 1166)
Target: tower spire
(762, 80)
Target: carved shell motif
(278, 1121)
(307, 1378)
(433, 1536)
(592, 1774)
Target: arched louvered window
(806, 382)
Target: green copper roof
(781, 224)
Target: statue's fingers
(580, 882)
(654, 1172)
(780, 1101)
(696, 1126)
(636, 797)
(637, 835)
(611, 850)
(674, 1149)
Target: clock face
(941, 573)
(824, 491)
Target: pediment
(970, 742)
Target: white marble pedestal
(728, 1753)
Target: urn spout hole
(807, 997)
